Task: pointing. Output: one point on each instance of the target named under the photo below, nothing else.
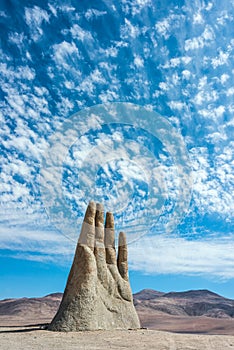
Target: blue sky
(165, 168)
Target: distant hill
(29, 310)
(147, 294)
(189, 303)
(197, 311)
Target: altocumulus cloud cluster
(174, 57)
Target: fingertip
(109, 220)
(99, 217)
(91, 207)
(100, 207)
(90, 213)
(122, 239)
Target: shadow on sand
(24, 328)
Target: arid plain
(29, 339)
(190, 320)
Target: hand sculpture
(98, 294)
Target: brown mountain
(25, 311)
(198, 311)
(194, 311)
(190, 303)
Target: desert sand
(33, 338)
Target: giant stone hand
(98, 294)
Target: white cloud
(64, 53)
(108, 96)
(230, 91)
(209, 6)
(94, 13)
(20, 73)
(65, 106)
(17, 38)
(206, 93)
(177, 61)
(90, 83)
(34, 18)
(67, 8)
(224, 77)
(138, 61)
(224, 17)
(186, 74)
(214, 114)
(129, 30)
(3, 14)
(79, 33)
(220, 60)
(213, 185)
(180, 84)
(34, 239)
(52, 9)
(111, 51)
(205, 39)
(163, 28)
(177, 105)
(171, 255)
(197, 18)
(135, 7)
(163, 86)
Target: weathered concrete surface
(98, 294)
